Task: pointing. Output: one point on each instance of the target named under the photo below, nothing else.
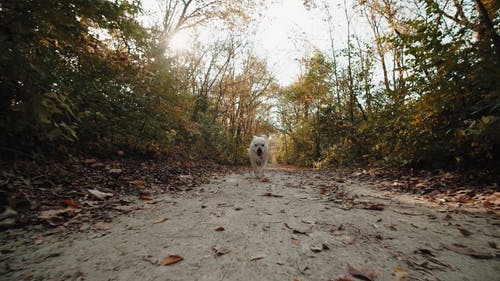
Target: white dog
(259, 154)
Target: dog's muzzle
(259, 151)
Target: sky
(285, 33)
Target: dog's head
(259, 145)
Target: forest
(89, 78)
(126, 125)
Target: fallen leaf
(316, 248)
(487, 204)
(308, 221)
(494, 199)
(269, 194)
(376, 207)
(145, 197)
(463, 198)
(99, 194)
(319, 247)
(299, 231)
(343, 278)
(120, 152)
(138, 182)
(90, 161)
(424, 252)
(219, 228)
(219, 250)
(50, 214)
(348, 239)
(256, 258)
(364, 273)
(160, 220)
(464, 250)
(171, 259)
(102, 225)
(400, 274)
(323, 191)
(264, 180)
(71, 203)
(39, 239)
(464, 232)
(115, 171)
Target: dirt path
(301, 225)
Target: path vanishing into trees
(293, 225)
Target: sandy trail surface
(296, 225)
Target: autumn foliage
(435, 104)
(89, 78)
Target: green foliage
(442, 109)
(49, 50)
(87, 73)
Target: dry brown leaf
(323, 191)
(463, 198)
(264, 180)
(71, 203)
(103, 225)
(364, 273)
(424, 252)
(219, 228)
(376, 207)
(145, 197)
(219, 250)
(90, 161)
(138, 182)
(171, 259)
(348, 239)
(99, 194)
(316, 248)
(400, 274)
(464, 232)
(464, 250)
(487, 204)
(256, 258)
(50, 214)
(269, 194)
(160, 220)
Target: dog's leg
(261, 170)
(254, 167)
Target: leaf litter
(92, 186)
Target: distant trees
(86, 77)
(437, 103)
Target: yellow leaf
(487, 119)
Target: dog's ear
(254, 137)
(264, 136)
